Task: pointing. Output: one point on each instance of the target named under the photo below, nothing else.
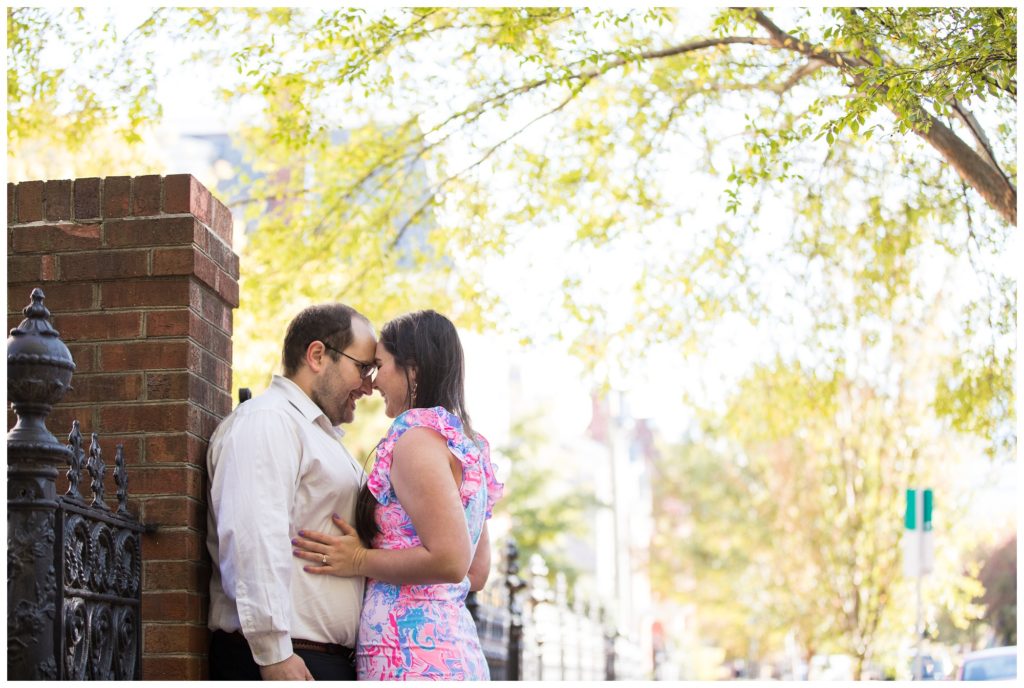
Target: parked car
(993, 664)
(931, 669)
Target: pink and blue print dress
(422, 632)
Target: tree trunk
(973, 169)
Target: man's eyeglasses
(366, 370)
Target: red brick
(174, 512)
(224, 405)
(233, 266)
(102, 265)
(172, 448)
(227, 287)
(134, 418)
(211, 368)
(11, 205)
(171, 542)
(146, 195)
(201, 422)
(174, 667)
(169, 480)
(167, 386)
(184, 194)
(101, 326)
(61, 297)
(32, 268)
(208, 396)
(168, 447)
(185, 261)
(144, 418)
(139, 293)
(52, 238)
(87, 198)
(117, 194)
(173, 606)
(176, 575)
(173, 261)
(84, 356)
(222, 221)
(174, 638)
(57, 199)
(143, 355)
(133, 444)
(197, 447)
(168, 323)
(210, 338)
(153, 231)
(211, 306)
(101, 388)
(62, 416)
(30, 201)
(220, 252)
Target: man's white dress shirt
(276, 465)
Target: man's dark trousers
(231, 660)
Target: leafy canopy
(717, 155)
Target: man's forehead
(362, 328)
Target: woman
(421, 533)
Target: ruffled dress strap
(474, 457)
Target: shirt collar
(298, 398)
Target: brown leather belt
(326, 648)
(299, 644)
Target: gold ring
(324, 559)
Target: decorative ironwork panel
(101, 594)
(74, 567)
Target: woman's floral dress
(415, 632)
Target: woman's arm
(481, 566)
(422, 476)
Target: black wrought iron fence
(74, 566)
(532, 632)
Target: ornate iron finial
(540, 589)
(37, 317)
(39, 368)
(561, 590)
(121, 478)
(77, 460)
(511, 556)
(97, 469)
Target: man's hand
(291, 669)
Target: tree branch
(987, 180)
(802, 72)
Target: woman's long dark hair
(427, 342)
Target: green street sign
(927, 517)
(910, 517)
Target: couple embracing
(321, 571)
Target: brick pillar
(141, 280)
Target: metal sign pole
(918, 558)
(919, 624)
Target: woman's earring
(413, 395)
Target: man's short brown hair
(330, 323)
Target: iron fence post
(513, 585)
(39, 369)
(539, 595)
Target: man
(276, 464)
